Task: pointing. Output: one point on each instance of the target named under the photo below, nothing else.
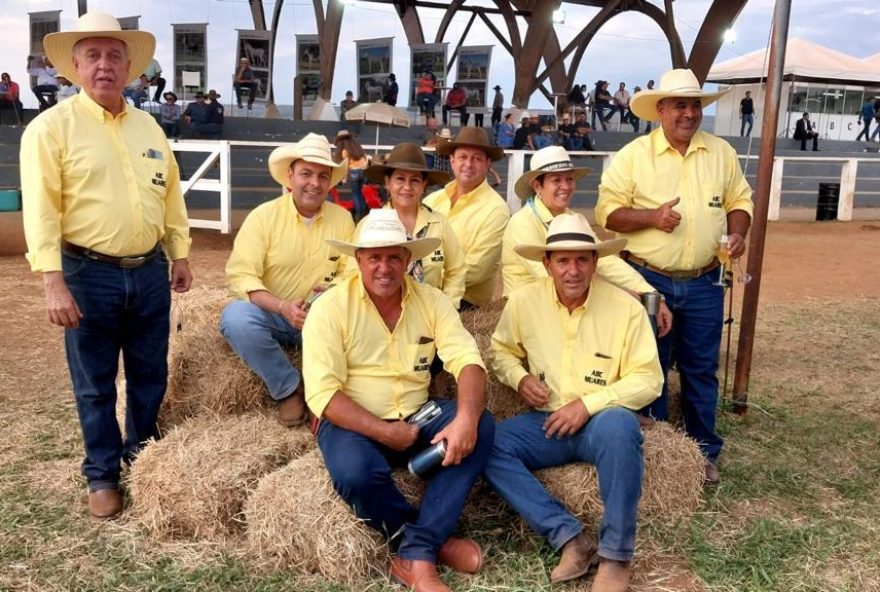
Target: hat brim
(377, 173)
(603, 249)
(523, 185)
(283, 156)
(419, 248)
(493, 152)
(644, 103)
(59, 48)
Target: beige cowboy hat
(472, 137)
(406, 156)
(382, 228)
(570, 232)
(552, 159)
(59, 46)
(445, 134)
(312, 148)
(674, 83)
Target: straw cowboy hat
(472, 137)
(445, 134)
(406, 156)
(679, 83)
(59, 46)
(570, 232)
(382, 228)
(312, 148)
(552, 159)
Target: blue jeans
(541, 141)
(611, 441)
(356, 183)
(127, 310)
(574, 143)
(360, 470)
(749, 119)
(866, 131)
(599, 109)
(698, 316)
(256, 336)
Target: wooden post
(847, 189)
(776, 190)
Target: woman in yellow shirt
(348, 147)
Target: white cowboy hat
(570, 232)
(59, 46)
(312, 148)
(674, 83)
(552, 159)
(382, 228)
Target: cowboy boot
(462, 555)
(577, 557)
(613, 576)
(418, 576)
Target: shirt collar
(365, 297)
(551, 288)
(660, 144)
(476, 192)
(97, 111)
(299, 217)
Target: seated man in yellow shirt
(582, 354)
(475, 211)
(368, 346)
(280, 261)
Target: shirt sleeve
(325, 368)
(455, 346)
(176, 240)
(484, 257)
(519, 234)
(738, 193)
(616, 189)
(618, 272)
(640, 375)
(245, 268)
(40, 159)
(453, 266)
(506, 350)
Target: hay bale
(204, 375)
(671, 489)
(194, 482)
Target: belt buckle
(684, 274)
(132, 262)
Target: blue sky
(629, 49)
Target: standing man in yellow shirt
(673, 194)
(280, 262)
(103, 214)
(475, 211)
(368, 346)
(581, 352)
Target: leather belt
(685, 274)
(131, 262)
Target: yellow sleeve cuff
(243, 287)
(596, 402)
(178, 248)
(317, 402)
(43, 261)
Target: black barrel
(826, 205)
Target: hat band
(683, 89)
(405, 166)
(562, 165)
(572, 236)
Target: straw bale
(204, 375)
(194, 481)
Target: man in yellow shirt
(475, 211)
(580, 352)
(673, 194)
(103, 214)
(546, 190)
(368, 346)
(280, 262)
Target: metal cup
(651, 302)
(425, 463)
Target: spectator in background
(621, 102)
(66, 89)
(170, 115)
(804, 130)
(582, 131)
(425, 97)
(347, 147)
(154, 78)
(576, 98)
(202, 118)
(631, 117)
(47, 84)
(137, 91)
(649, 123)
(10, 95)
(747, 114)
(244, 78)
(391, 90)
(866, 115)
(537, 138)
(219, 111)
(497, 107)
(876, 134)
(602, 103)
(456, 100)
(506, 132)
(521, 136)
(441, 161)
(566, 130)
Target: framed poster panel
(374, 64)
(308, 67)
(190, 54)
(41, 24)
(427, 56)
(473, 72)
(256, 47)
(129, 23)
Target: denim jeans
(256, 336)
(599, 109)
(360, 470)
(574, 143)
(697, 306)
(356, 183)
(611, 441)
(749, 119)
(127, 310)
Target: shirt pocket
(155, 171)
(421, 356)
(597, 370)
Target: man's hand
(736, 246)
(665, 218)
(61, 308)
(181, 276)
(399, 435)
(294, 311)
(566, 420)
(461, 437)
(534, 392)
(664, 320)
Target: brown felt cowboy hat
(59, 46)
(552, 159)
(570, 232)
(406, 156)
(678, 83)
(472, 137)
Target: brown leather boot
(292, 410)
(462, 555)
(105, 504)
(577, 556)
(418, 576)
(712, 477)
(613, 576)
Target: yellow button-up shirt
(348, 347)
(649, 172)
(105, 183)
(478, 219)
(278, 250)
(444, 268)
(603, 353)
(529, 226)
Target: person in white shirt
(66, 89)
(47, 84)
